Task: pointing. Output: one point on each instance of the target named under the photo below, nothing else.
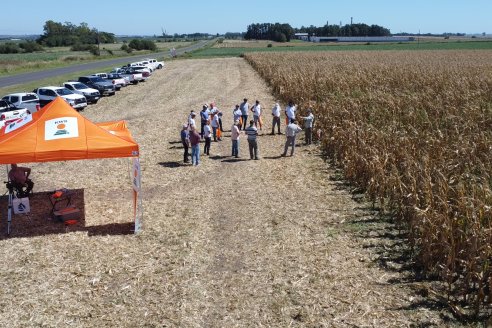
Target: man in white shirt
(290, 112)
(256, 109)
(276, 118)
(191, 121)
(291, 131)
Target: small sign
(61, 128)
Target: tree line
(284, 32)
(78, 37)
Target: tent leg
(9, 215)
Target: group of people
(211, 127)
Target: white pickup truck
(156, 64)
(48, 94)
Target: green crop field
(238, 51)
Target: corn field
(414, 130)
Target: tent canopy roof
(60, 133)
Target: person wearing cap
(244, 107)
(195, 146)
(204, 115)
(206, 135)
(291, 131)
(235, 139)
(236, 115)
(276, 118)
(308, 127)
(185, 140)
(252, 133)
(191, 120)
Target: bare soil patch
(277, 242)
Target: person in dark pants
(276, 118)
(185, 140)
(308, 126)
(244, 107)
(203, 118)
(252, 133)
(207, 135)
(19, 176)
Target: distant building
(362, 39)
(302, 36)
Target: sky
(150, 17)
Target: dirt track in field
(230, 243)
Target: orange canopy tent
(60, 133)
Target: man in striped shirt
(252, 133)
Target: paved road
(33, 76)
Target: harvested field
(231, 243)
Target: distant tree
(139, 44)
(67, 34)
(267, 31)
(30, 46)
(10, 48)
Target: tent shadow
(40, 222)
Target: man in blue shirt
(203, 118)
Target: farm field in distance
(234, 48)
(62, 56)
(412, 129)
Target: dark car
(103, 86)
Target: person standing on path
(236, 114)
(203, 118)
(290, 112)
(308, 127)
(252, 133)
(256, 109)
(244, 107)
(191, 120)
(207, 135)
(276, 118)
(195, 146)
(291, 131)
(185, 140)
(215, 125)
(235, 139)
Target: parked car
(139, 69)
(47, 94)
(143, 64)
(26, 100)
(92, 95)
(104, 87)
(135, 77)
(127, 77)
(9, 112)
(155, 64)
(117, 82)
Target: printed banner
(61, 128)
(20, 122)
(137, 198)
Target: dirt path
(277, 242)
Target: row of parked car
(78, 93)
